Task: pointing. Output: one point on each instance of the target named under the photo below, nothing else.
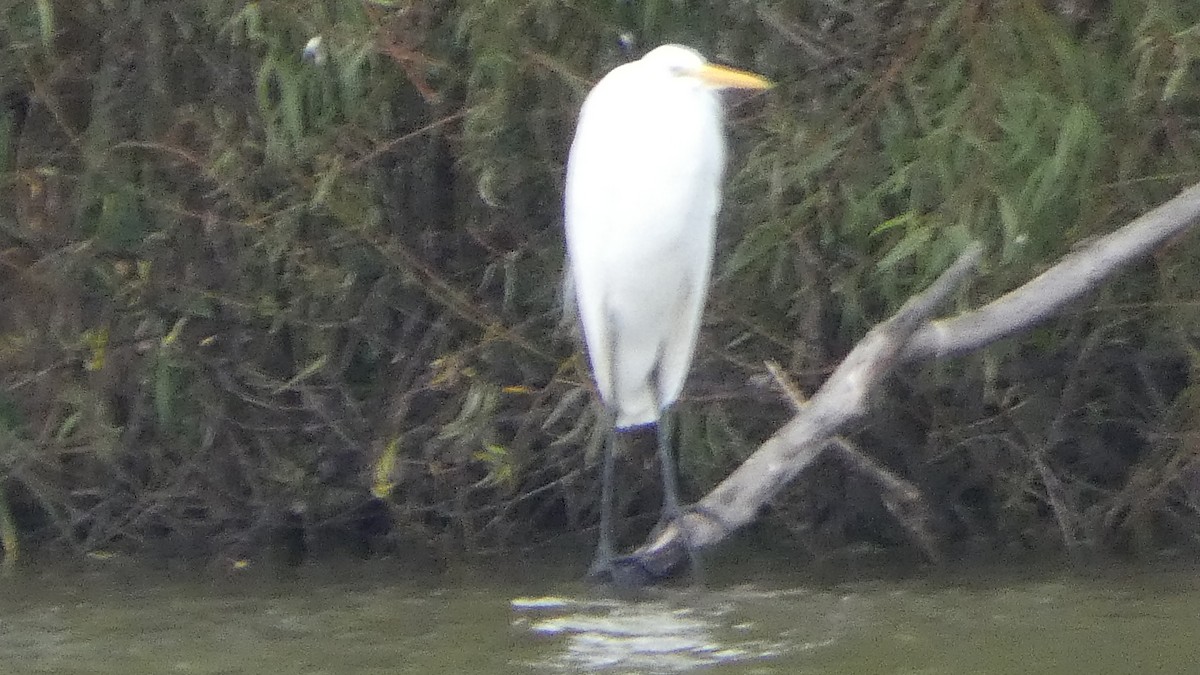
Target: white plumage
(642, 193)
(643, 189)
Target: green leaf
(915, 240)
(311, 369)
(46, 22)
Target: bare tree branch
(738, 499)
(902, 499)
(1075, 275)
(908, 336)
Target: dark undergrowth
(246, 297)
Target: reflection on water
(378, 620)
(654, 636)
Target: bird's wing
(643, 186)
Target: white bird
(643, 189)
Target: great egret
(642, 192)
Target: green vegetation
(244, 296)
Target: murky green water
(518, 618)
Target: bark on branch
(908, 336)
(1075, 275)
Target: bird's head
(685, 62)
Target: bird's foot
(625, 574)
(672, 514)
(601, 567)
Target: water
(518, 618)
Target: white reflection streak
(641, 637)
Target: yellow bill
(724, 77)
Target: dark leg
(666, 463)
(672, 509)
(602, 563)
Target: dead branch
(908, 336)
(1080, 272)
(901, 497)
(736, 500)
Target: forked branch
(909, 335)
